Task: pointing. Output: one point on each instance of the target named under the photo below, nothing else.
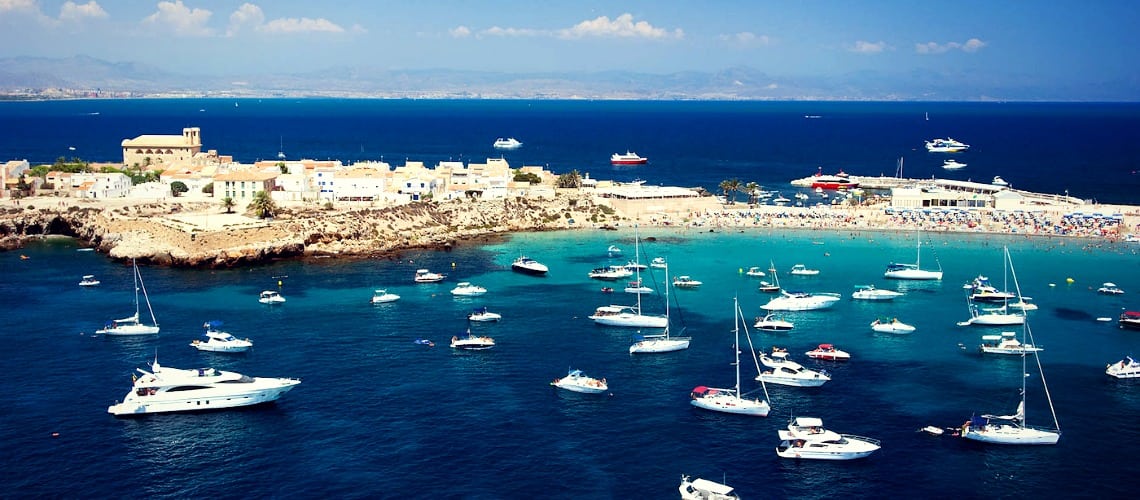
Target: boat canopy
(713, 487)
(1132, 314)
(826, 346)
(808, 422)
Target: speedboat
(635, 266)
(981, 291)
(869, 292)
(1109, 289)
(784, 371)
(828, 352)
(613, 250)
(164, 390)
(998, 181)
(508, 143)
(89, 280)
(1130, 320)
(527, 265)
(576, 381)
(465, 289)
(483, 315)
(472, 342)
(628, 316)
(892, 325)
(610, 273)
(425, 276)
(801, 301)
(806, 438)
(703, 489)
(802, 270)
(772, 323)
(755, 272)
(1006, 343)
(947, 145)
(629, 158)
(952, 164)
(270, 297)
(381, 296)
(1022, 305)
(423, 341)
(685, 282)
(219, 341)
(638, 287)
(998, 316)
(658, 263)
(1126, 368)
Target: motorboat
(576, 381)
(997, 316)
(89, 280)
(1126, 368)
(638, 287)
(658, 263)
(892, 325)
(132, 325)
(527, 265)
(1109, 289)
(703, 489)
(1022, 305)
(219, 341)
(802, 270)
(508, 143)
(1130, 320)
(953, 164)
(613, 250)
(913, 271)
(980, 290)
(755, 272)
(635, 266)
(1006, 343)
(998, 181)
(466, 289)
(780, 201)
(610, 273)
(471, 342)
(784, 371)
(869, 292)
(163, 390)
(381, 296)
(801, 301)
(425, 276)
(828, 352)
(947, 145)
(483, 315)
(686, 282)
(806, 438)
(423, 341)
(629, 158)
(270, 297)
(627, 316)
(773, 323)
(731, 400)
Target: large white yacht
(508, 143)
(947, 145)
(163, 390)
(806, 438)
(801, 301)
(783, 371)
(1125, 368)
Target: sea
(379, 416)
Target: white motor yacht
(658, 263)
(806, 438)
(953, 164)
(471, 342)
(892, 325)
(947, 145)
(703, 489)
(773, 323)
(686, 282)
(828, 352)
(508, 143)
(802, 270)
(638, 287)
(869, 292)
(998, 316)
(755, 272)
(784, 371)
(1006, 343)
(483, 315)
(801, 301)
(381, 296)
(576, 381)
(1109, 289)
(527, 265)
(425, 276)
(998, 181)
(628, 316)
(164, 390)
(219, 341)
(465, 289)
(610, 273)
(270, 297)
(89, 280)
(1125, 368)
(980, 290)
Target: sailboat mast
(666, 298)
(918, 252)
(135, 277)
(736, 343)
(1027, 334)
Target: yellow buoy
(279, 283)
(453, 265)
(740, 270)
(1068, 280)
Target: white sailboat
(629, 316)
(913, 271)
(131, 325)
(993, 316)
(1011, 429)
(650, 344)
(730, 400)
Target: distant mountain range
(23, 77)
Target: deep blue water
(1090, 149)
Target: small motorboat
(381, 296)
(828, 352)
(89, 280)
(998, 181)
(483, 315)
(219, 341)
(869, 292)
(576, 381)
(465, 289)
(638, 287)
(802, 270)
(607, 289)
(1125, 368)
(470, 342)
(420, 341)
(527, 265)
(772, 323)
(613, 250)
(703, 489)
(953, 164)
(686, 282)
(755, 272)
(1105, 289)
(892, 325)
(767, 287)
(425, 276)
(658, 263)
(270, 297)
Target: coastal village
(202, 208)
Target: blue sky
(1063, 41)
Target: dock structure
(934, 192)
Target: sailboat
(131, 325)
(913, 271)
(1011, 429)
(730, 400)
(992, 316)
(767, 287)
(647, 344)
(281, 149)
(629, 316)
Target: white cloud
(301, 25)
(865, 47)
(19, 6)
(746, 39)
(180, 19)
(622, 26)
(971, 45)
(246, 15)
(71, 11)
(497, 31)
(460, 32)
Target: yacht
(381, 296)
(755, 272)
(219, 341)
(1126, 368)
(802, 270)
(981, 291)
(801, 301)
(998, 181)
(658, 263)
(784, 371)
(164, 390)
(483, 315)
(270, 297)
(638, 287)
(1130, 320)
(773, 323)
(869, 292)
(470, 342)
(508, 143)
(613, 250)
(635, 266)
(1006, 343)
(806, 438)
(425, 276)
(576, 381)
(892, 325)
(703, 489)
(628, 316)
(1109, 289)
(89, 280)
(953, 165)
(527, 265)
(686, 282)
(997, 316)
(465, 289)
(947, 145)
(610, 273)
(629, 158)
(821, 181)
(828, 352)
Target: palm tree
(228, 203)
(751, 189)
(730, 186)
(262, 205)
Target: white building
(148, 150)
(95, 185)
(243, 185)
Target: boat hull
(786, 450)
(786, 304)
(913, 274)
(127, 330)
(732, 404)
(769, 378)
(1008, 434)
(533, 270)
(209, 400)
(652, 346)
(632, 321)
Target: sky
(1069, 42)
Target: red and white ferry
(629, 158)
(827, 181)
